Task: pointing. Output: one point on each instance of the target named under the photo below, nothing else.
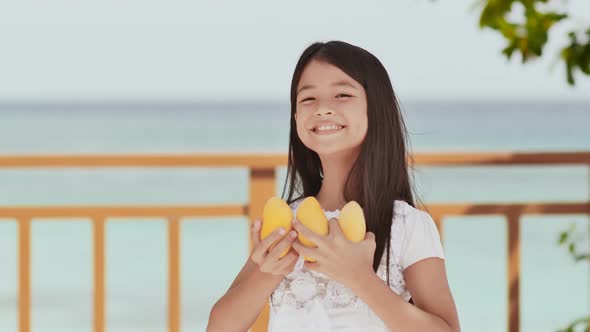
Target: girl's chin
(327, 151)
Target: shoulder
(418, 235)
(409, 217)
(403, 208)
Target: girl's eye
(341, 95)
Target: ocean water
(555, 290)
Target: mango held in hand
(276, 214)
(311, 215)
(352, 222)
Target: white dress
(306, 300)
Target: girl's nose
(323, 111)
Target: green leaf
(529, 34)
(570, 72)
(585, 58)
(563, 237)
(508, 50)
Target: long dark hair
(380, 175)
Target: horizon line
(192, 104)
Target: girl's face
(331, 111)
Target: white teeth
(330, 127)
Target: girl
(347, 142)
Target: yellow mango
(352, 222)
(310, 214)
(276, 214)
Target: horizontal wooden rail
(148, 211)
(163, 160)
(262, 160)
(124, 211)
(538, 208)
(503, 158)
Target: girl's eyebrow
(339, 83)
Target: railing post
(24, 274)
(99, 273)
(262, 187)
(174, 274)
(513, 219)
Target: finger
(255, 232)
(272, 238)
(282, 266)
(292, 255)
(260, 250)
(308, 233)
(288, 261)
(370, 236)
(335, 229)
(305, 251)
(277, 250)
(370, 241)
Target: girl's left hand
(336, 256)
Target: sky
(227, 51)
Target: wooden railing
(262, 181)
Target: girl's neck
(336, 168)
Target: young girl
(347, 142)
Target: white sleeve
(421, 240)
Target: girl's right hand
(269, 261)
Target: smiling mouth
(327, 130)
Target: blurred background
(196, 78)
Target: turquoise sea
(555, 290)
